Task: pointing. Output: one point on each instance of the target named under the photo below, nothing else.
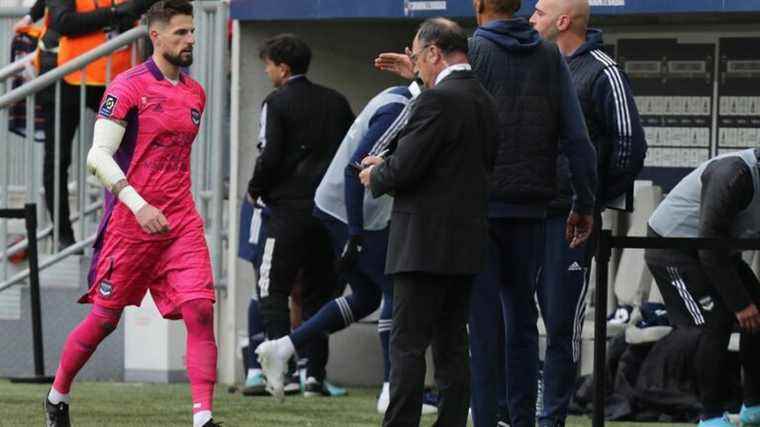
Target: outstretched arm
(396, 63)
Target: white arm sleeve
(107, 137)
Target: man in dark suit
(439, 175)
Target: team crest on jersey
(109, 104)
(707, 303)
(195, 115)
(106, 289)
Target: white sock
(253, 372)
(386, 388)
(285, 348)
(201, 418)
(55, 397)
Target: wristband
(129, 196)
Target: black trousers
(693, 301)
(429, 309)
(297, 242)
(69, 123)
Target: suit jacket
(439, 177)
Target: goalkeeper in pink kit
(151, 236)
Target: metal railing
(28, 92)
(80, 62)
(8, 17)
(607, 242)
(210, 69)
(46, 232)
(16, 67)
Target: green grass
(126, 404)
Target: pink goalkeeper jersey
(162, 122)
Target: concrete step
(60, 288)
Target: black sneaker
(56, 415)
(312, 388)
(293, 383)
(211, 423)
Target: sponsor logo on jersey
(195, 115)
(109, 104)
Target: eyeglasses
(413, 55)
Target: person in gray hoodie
(539, 118)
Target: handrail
(75, 64)
(23, 244)
(13, 68)
(49, 261)
(13, 11)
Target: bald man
(613, 124)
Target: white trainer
(385, 398)
(274, 368)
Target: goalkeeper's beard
(179, 60)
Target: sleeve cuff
(582, 209)
(129, 196)
(737, 301)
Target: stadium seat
(633, 281)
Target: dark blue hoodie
(513, 38)
(594, 40)
(514, 35)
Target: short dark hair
(509, 7)
(287, 49)
(165, 10)
(444, 33)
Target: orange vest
(72, 46)
(39, 32)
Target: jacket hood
(515, 35)
(594, 41)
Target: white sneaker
(274, 368)
(385, 399)
(429, 409)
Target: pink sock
(82, 342)
(201, 352)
